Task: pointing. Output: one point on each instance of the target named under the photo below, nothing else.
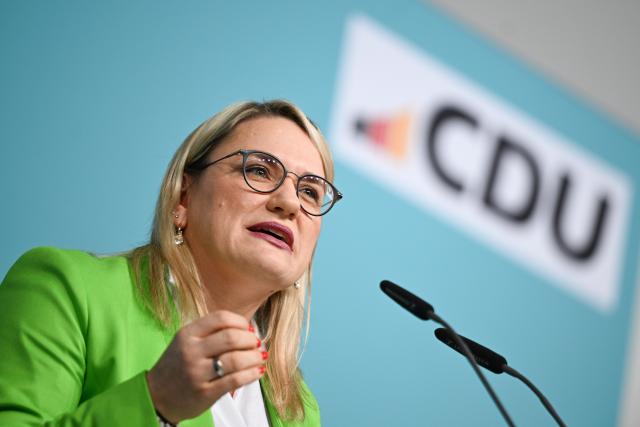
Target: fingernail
(251, 328)
(265, 354)
(262, 369)
(259, 343)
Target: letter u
(585, 251)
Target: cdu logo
(459, 152)
(392, 135)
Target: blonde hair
(281, 317)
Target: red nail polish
(262, 369)
(259, 343)
(251, 328)
(265, 354)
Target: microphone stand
(494, 362)
(425, 311)
(509, 370)
(474, 365)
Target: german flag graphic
(389, 134)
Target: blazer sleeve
(44, 318)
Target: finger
(235, 380)
(235, 361)
(218, 320)
(227, 340)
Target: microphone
(486, 358)
(496, 363)
(425, 311)
(417, 306)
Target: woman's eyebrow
(304, 172)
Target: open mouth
(275, 231)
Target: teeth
(278, 234)
(274, 233)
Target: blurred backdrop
(489, 154)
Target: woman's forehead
(278, 136)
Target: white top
(245, 409)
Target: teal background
(96, 96)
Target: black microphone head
(417, 306)
(486, 358)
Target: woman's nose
(285, 198)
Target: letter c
(442, 117)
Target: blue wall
(95, 97)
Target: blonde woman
(201, 326)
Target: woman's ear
(180, 211)
(180, 216)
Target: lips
(274, 232)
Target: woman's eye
(310, 194)
(257, 172)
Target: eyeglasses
(264, 173)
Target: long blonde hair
(281, 317)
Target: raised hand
(184, 383)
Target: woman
(206, 316)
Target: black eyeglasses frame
(245, 155)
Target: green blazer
(76, 341)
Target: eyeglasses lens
(263, 172)
(315, 194)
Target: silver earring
(296, 285)
(178, 239)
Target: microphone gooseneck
(497, 364)
(423, 310)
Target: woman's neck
(233, 297)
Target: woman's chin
(274, 265)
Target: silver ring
(217, 367)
